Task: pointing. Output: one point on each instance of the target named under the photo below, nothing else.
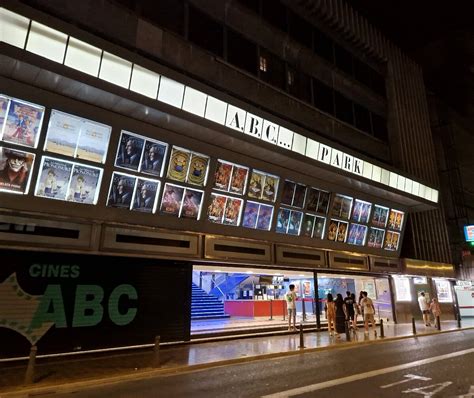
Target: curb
(146, 374)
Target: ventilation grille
(338, 260)
(306, 257)
(237, 249)
(385, 264)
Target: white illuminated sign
(402, 289)
(443, 289)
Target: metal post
(301, 346)
(413, 325)
(346, 327)
(156, 352)
(378, 311)
(304, 309)
(438, 323)
(382, 335)
(30, 370)
(459, 320)
(316, 297)
(271, 310)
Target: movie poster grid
(122, 189)
(263, 186)
(293, 194)
(341, 207)
(357, 234)
(225, 209)
(361, 211)
(230, 177)
(289, 221)
(317, 200)
(15, 170)
(395, 220)
(187, 166)
(313, 226)
(77, 137)
(181, 202)
(376, 236)
(146, 194)
(391, 240)
(337, 230)
(22, 125)
(380, 216)
(257, 216)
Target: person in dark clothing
(340, 314)
(349, 303)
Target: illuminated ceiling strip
(54, 45)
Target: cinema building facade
(174, 181)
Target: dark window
(299, 85)
(272, 69)
(275, 13)
(344, 110)
(363, 73)
(343, 59)
(130, 4)
(323, 45)
(241, 52)
(323, 97)
(168, 14)
(362, 118)
(252, 4)
(379, 127)
(378, 83)
(300, 30)
(205, 32)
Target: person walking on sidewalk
(341, 315)
(435, 310)
(356, 308)
(330, 308)
(368, 310)
(291, 297)
(424, 308)
(349, 303)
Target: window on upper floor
(299, 85)
(300, 30)
(323, 45)
(378, 84)
(343, 59)
(272, 69)
(241, 52)
(344, 109)
(274, 12)
(168, 14)
(323, 96)
(362, 72)
(205, 32)
(362, 118)
(379, 127)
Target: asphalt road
(434, 366)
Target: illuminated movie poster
(391, 241)
(215, 211)
(4, 102)
(222, 175)
(300, 194)
(250, 215)
(357, 235)
(308, 225)
(197, 172)
(179, 164)
(172, 199)
(270, 188)
(122, 188)
(154, 156)
(256, 184)
(129, 151)
(332, 231)
(239, 179)
(395, 220)
(53, 179)
(288, 192)
(63, 133)
(232, 211)
(342, 231)
(15, 170)
(85, 184)
(94, 141)
(283, 219)
(376, 236)
(191, 204)
(146, 195)
(265, 215)
(319, 228)
(23, 123)
(294, 224)
(380, 216)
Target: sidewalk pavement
(83, 371)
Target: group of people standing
(342, 310)
(427, 308)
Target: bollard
(30, 370)
(346, 327)
(301, 337)
(382, 335)
(304, 309)
(271, 310)
(459, 320)
(438, 323)
(156, 353)
(413, 325)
